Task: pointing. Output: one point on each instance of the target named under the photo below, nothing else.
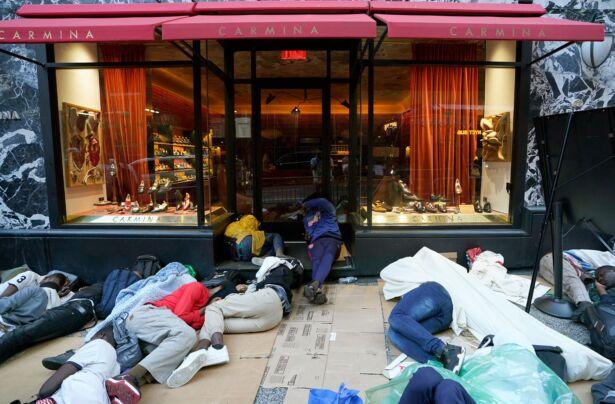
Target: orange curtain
(443, 100)
(124, 98)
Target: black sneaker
(309, 290)
(320, 297)
(452, 357)
(486, 342)
(55, 362)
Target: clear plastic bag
(508, 374)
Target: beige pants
(172, 337)
(242, 313)
(572, 285)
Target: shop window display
(128, 139)
(442, 142)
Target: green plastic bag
(508, 374)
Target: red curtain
(124, 99)
(443, 100)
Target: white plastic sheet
(481, 311)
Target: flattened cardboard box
(286, 370)
(319, 314)
(302, 338)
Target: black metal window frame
(50, 126)
(361, 56)
(367, 60)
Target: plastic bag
(342, 396)
(507, 374)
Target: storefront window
(442, 145)
(128, 138)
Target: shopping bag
(342, 396)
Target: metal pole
(558, 252)
(549, 201)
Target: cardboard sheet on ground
(482, 312)
(307, 312)
(287, 370)
(302, 338)
(349, 319)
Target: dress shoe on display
(187, 204)
(135, 207)
(405, 192)
(378, 207)
(441, 207)
(486, 206)
(165, 185)
(397, 209)
(419, 207)
(477, 207)
(429, 207)
(148, 208)
(458, 189)
(128, 203)
(141, 187)
(161, 207)
(154, 187)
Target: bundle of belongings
(482, 312)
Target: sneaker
(486, 342)
(217, 356)
(452, 357)
(320, 297)
(309, 290)
(124, 388)
(55, 362)
(258, 261)
(194, 362)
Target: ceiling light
(295, 111)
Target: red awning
(436, 8)
(487, 27)
(275, 26)
(52, 30)
(282, 7)
(105, 10)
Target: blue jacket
(326, 224)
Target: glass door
(293, 150)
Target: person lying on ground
(81, 380)
(58, 321)
(252, 242)
(422, 312)
(605, 279)
(23, 280)
(577, 268)
(324, 241)
(427, 387)
(167, 329)
(28, 303)
(256, 308)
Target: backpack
(146, 265)
(600, 321)
(117, 280)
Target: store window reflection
(443, 137)
(128, 139)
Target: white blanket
(488, 267)
(481, 311)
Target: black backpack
(146, 265)
(117, 280)
(600, 321)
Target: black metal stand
(556, 305)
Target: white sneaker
(217, 356)
(194, 362)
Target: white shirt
(98, 361)
(22, 280)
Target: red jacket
(186, 302)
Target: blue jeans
(273, 242)
(323, 252)
(420, 313)
(428, 387)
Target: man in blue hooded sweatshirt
(324, 241)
